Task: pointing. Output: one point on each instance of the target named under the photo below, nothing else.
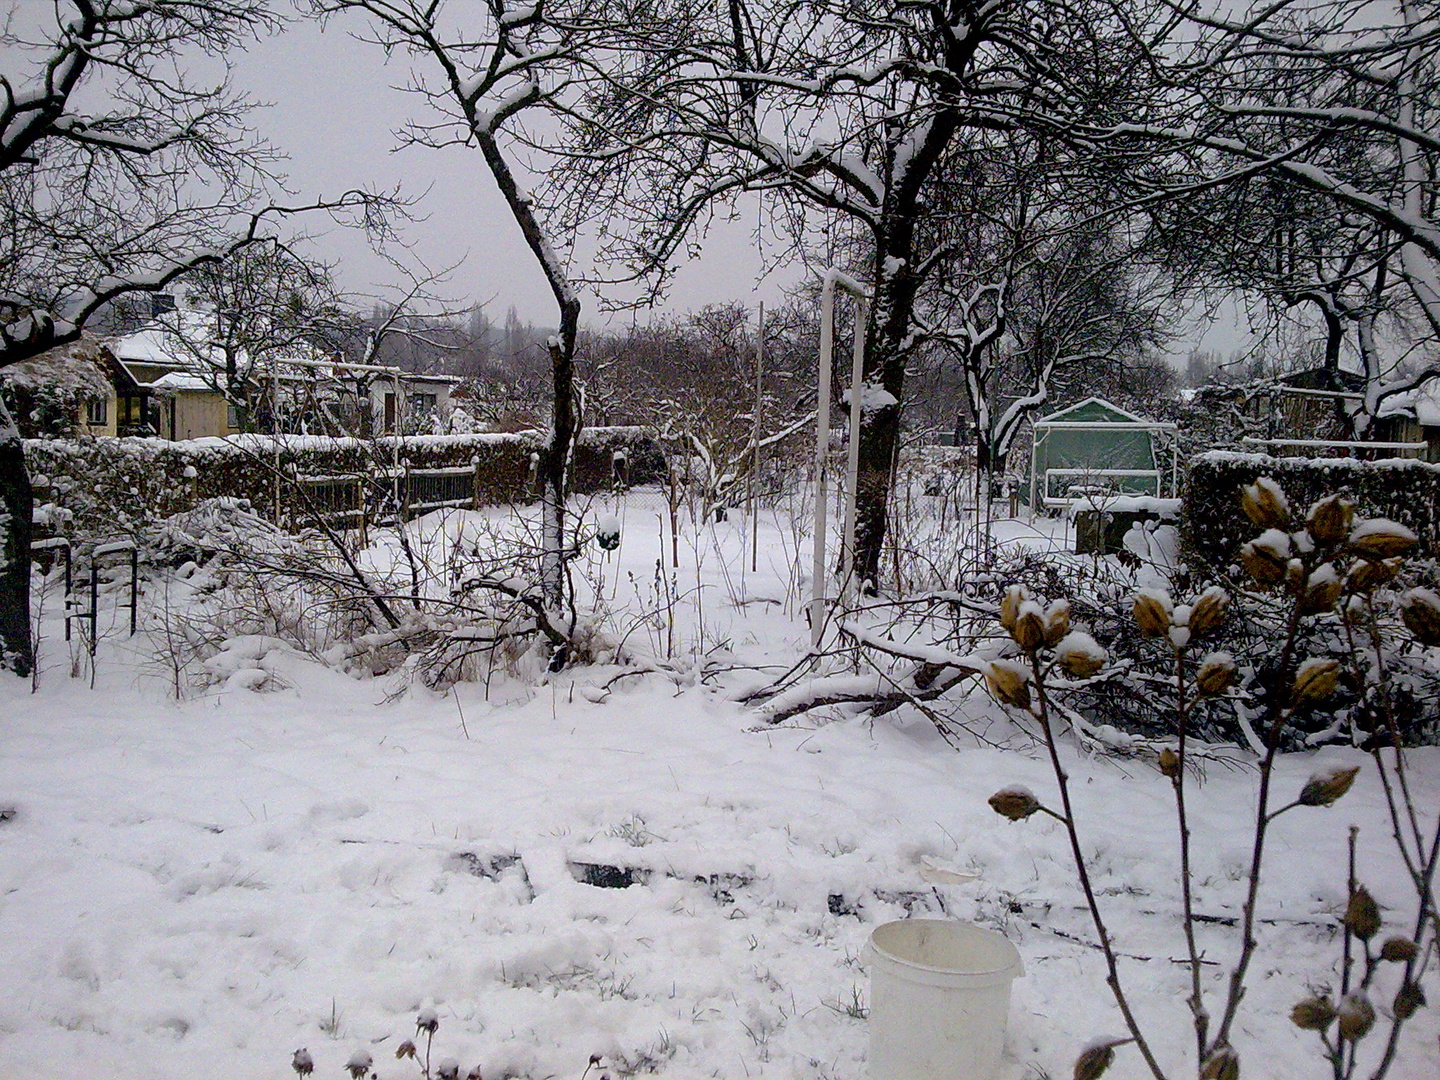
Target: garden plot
(580, 865)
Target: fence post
(69, 587)
(475, 492)
(362, 507)
(94, 606)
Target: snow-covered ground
(198, 888)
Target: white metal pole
(275, 429)
(852, 464)
(822, 448)
(833, 277)
(755, 465)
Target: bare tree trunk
(16, 506)
(886, 354)
(879, 438)
(557, 468)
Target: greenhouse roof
(1094, 410)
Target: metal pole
(134, 587)
(822, 447)
(755, 467)
(69, 589)
(275, 429)
(395, 430)
(852, 469)
(833, 278)
(94, 604)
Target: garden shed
(1094, 448)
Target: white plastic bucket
(939, 998)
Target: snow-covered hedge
(1213, 525)
(117, 486)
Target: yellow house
(65, 392)
(166, 380)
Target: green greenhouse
(1096, 449)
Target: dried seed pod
(1399, 950)
(405, 1050)
(1313, 1014)
(1008, 683)
(1265, 504)
(1057, 622)
(1029, 629)
(1010, 602)
(1420, 608)
(1362, 914)
(1315, 680)
(427, 1021)
(1367, 574)
(1356, 1016)
(1094, 1060)
(1079, 654)
(1015, 802)
(1216, 674)
(302, 1062)
(449, 1069)
(1408, 1000)
(1324, 788)
(1381, 538)
(359, 1064)
(1265, 558)
(474, 1074)
(1328, 520)
(1322, 590)
(1222, 1063)
(1169, 763)
(1208, 611)
(1153, 609)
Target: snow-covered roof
(73, 370)
(1093, 409)
(184, 381)
(1421, 404)
(182, 342)
(178, 342)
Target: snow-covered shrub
(1328, 574)
(446, 598)
(1213, 527)
(126, 486)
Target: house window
(232, 417)
(97, 412)
(422, 404)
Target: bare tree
(839, 113)
(480, 71)
(1033, 291)
(90, 201)
(118, 174)
(1321, 116)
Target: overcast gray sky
(334, 110)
